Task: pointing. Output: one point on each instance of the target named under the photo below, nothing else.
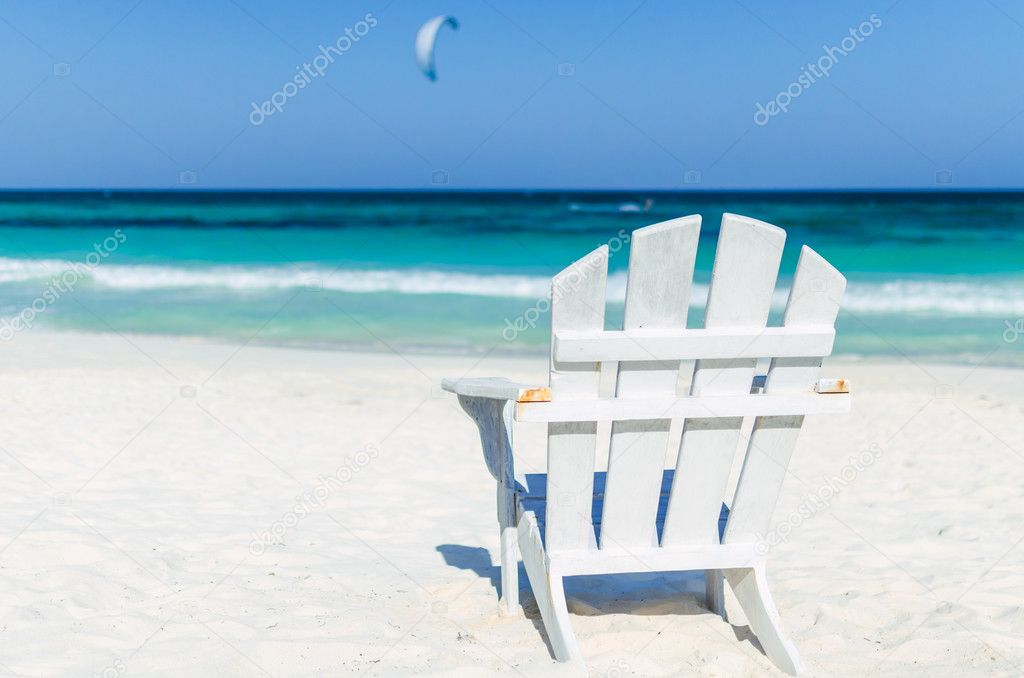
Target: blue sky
(646, 95)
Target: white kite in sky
(425, 40)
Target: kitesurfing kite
(425, 39)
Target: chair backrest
(648, 351)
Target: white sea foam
(936, 296)
(14, 270)
(941, 297)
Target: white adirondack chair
(638, 517)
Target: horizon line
(472, 191)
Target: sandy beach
(270, 511)
(242, 245)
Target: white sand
(130, 508)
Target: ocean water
(931, 275)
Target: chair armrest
(497, 388)
(824, 385)
(488, 401)
(832, 385)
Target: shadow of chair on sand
(648, 594)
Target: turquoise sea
(931, 275)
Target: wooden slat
(535, 485)
(742, 284)
(683, 344)
(533, 499)
(661, 260)
(577, 303)
(537, 505)
(814, 299)
(692, 407)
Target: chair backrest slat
(661, 261)
(577, 303)
(813, 300)
(742, 284)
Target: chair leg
(563, 640)
(751, 587)
(714, 590)
(549, 592)
(509, 571)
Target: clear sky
(658, 95)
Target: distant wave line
(964, 298)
